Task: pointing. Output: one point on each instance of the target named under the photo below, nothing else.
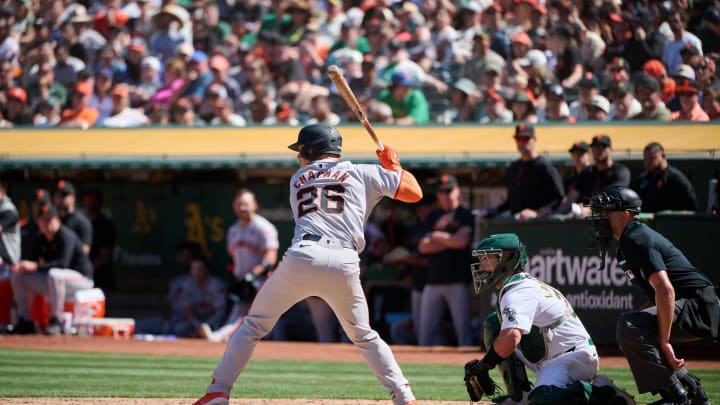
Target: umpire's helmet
(317, 140)
(511, 258)
(616, 198)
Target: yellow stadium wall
(701, 140)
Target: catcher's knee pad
(491, 329)
(515, 377)
(577, 393)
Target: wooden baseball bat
(353, 103)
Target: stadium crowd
(124, 63)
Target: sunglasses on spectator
(686, 94)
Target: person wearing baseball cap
(603, 173)
(463, 98)
(408, 103)
(580, 156)
(29, 230)
(449, 221)
(15, 110)
(59, 265)
(624, 104)
(556, 108)
(496, 110)
(80, 114)
(647, 90)
(534, 186)
(690, 110)
(588, 87)
(121, 115)
(64, 198)
(598, 108)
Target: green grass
(30, 373)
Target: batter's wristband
(492, 359)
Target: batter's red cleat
(214, 398)
(412, 403)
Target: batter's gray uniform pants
(434, 296)
(56, 285)
(637, 335)
(331, 272)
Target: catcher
(534, 326)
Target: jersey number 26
(332, 199)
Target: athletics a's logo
(510, 314)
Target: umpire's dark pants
(637, 335)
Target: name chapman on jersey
(339, 175)
(554, 267)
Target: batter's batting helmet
(317, 140)
(511, 258)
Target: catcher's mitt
(478, 381)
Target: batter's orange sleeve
(409, 190)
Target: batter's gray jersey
(334, 199)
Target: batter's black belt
(318, 238)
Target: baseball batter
(535, 326)
(330, 201)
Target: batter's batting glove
(389, 159)
(478, 381)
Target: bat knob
(333, 69)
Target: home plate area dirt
(264, 350)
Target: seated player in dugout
(683, 303)
(534, 326)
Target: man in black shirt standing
(447, 248)
(661, 186)
(683, 302)
(65, 201)
(59, 268)
(534, 186)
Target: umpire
(683, 305)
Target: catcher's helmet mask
(316, 140)
(498, 256)
(613, 198)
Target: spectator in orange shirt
(655, 68)
(690, 109)
(112, 18)
(81, 114)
